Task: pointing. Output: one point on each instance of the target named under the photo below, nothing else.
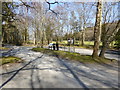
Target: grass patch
(10, 59)
(84, 47)
(4, 48)
(91, 43)
(73, 56)
(87, 44)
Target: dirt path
(42, 71)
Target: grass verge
(4, 48)
(10, 59)
(74, 56)
(84, 47)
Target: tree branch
(50, 6)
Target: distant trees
(85, 14)
(73, 25)
(38, 25)
(10, 33)
(49, 29)
(22, 26)
(82, 22)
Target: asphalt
(43, 71)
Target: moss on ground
(10, 59)
(73, 56)
(4, 48)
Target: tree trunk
(83, 38)
(97, 30)
(42, 42)
(48, 41)
(103, 49)
(57, 44)
(79, 39)
(35, 42)
(74, 44)
(35, 38)
(68, 44)
(26, 33)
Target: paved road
(111, 54)
(42, 71)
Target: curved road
(43, 71)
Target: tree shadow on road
(74, 75)
(76, 72)
(100, 77)
(79, 72)
(109, 66)
(17, 71)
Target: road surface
(43, 71)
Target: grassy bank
(4, 48)
(10, 59)
(73, 56)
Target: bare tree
(84, 18)
(97, 29)
(110, 25)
